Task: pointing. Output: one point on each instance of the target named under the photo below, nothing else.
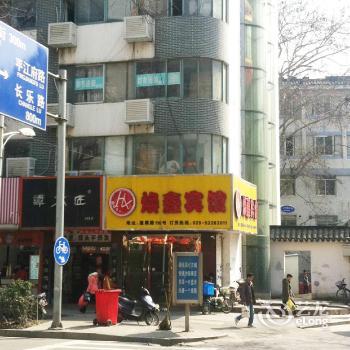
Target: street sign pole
(61, 153)
(2, 127)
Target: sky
(340, 64)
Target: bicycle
(61, 248)
(342, 293)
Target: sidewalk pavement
(202, 327)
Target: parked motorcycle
(143, 309)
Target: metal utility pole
(61, 79)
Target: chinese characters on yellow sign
(192, 202)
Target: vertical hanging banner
(23, 77)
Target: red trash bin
(107, 306)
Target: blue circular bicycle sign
(61, 251)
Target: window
(176, 154)
(23, 14)
(205, 8)
(158, 79)
(288, 220)
(287, 186)
(200, 78)
(327, 145)
(326, 220)
(86, 153)
(291, 146)
(190, 78)
(149, 154)
(88, 84)
(89, 11)
(326, 186)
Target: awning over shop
(9, 201)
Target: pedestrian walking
(246, 292)
(287, 294)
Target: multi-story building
(154, 88)
(315, 143)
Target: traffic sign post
(187, 281)
(23, 77)
(61, 251)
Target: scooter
(143, 309)
(41, 304)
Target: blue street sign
(23, 77)
(61, 251)
(187, 278)
(287, 209)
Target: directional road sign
(61, 251)
(23, 77)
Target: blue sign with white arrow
(61, 251)
(287, 209)
(23, 77)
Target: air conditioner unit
(20, 167)
(91, 173)
(139, 28)
(53, 108)
(72, 173)
(62, 34)
(139, 111)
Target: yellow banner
(181, 202)
(245, 206)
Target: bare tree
(308, 37)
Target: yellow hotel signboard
(181, 202)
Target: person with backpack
(246, 292)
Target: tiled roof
(310, 233)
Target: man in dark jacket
(287, 292)
(246, 292)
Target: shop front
(158, 215)
(82, 227)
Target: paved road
(55, 344)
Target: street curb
(51, 334)
(330, 324)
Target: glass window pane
(151, 79)
(204, 153)
(320, 187)
(22, 13)
(217, 8)
(89, 84)
(190, 7)
(224, 155)
(204, 78)
(290, 146)
(329, 145)
(87, 153)
(174, 79)
(87, 11)
(217, 80)
(217, 154)
(224, 83)
(190, 78)
(149, 154)
(173, 156)
(320, 145)
(118, 9)
(116, 82)
(189, 150)
(204, 8)
(115, 155)
(177, 8)
(330, 187)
